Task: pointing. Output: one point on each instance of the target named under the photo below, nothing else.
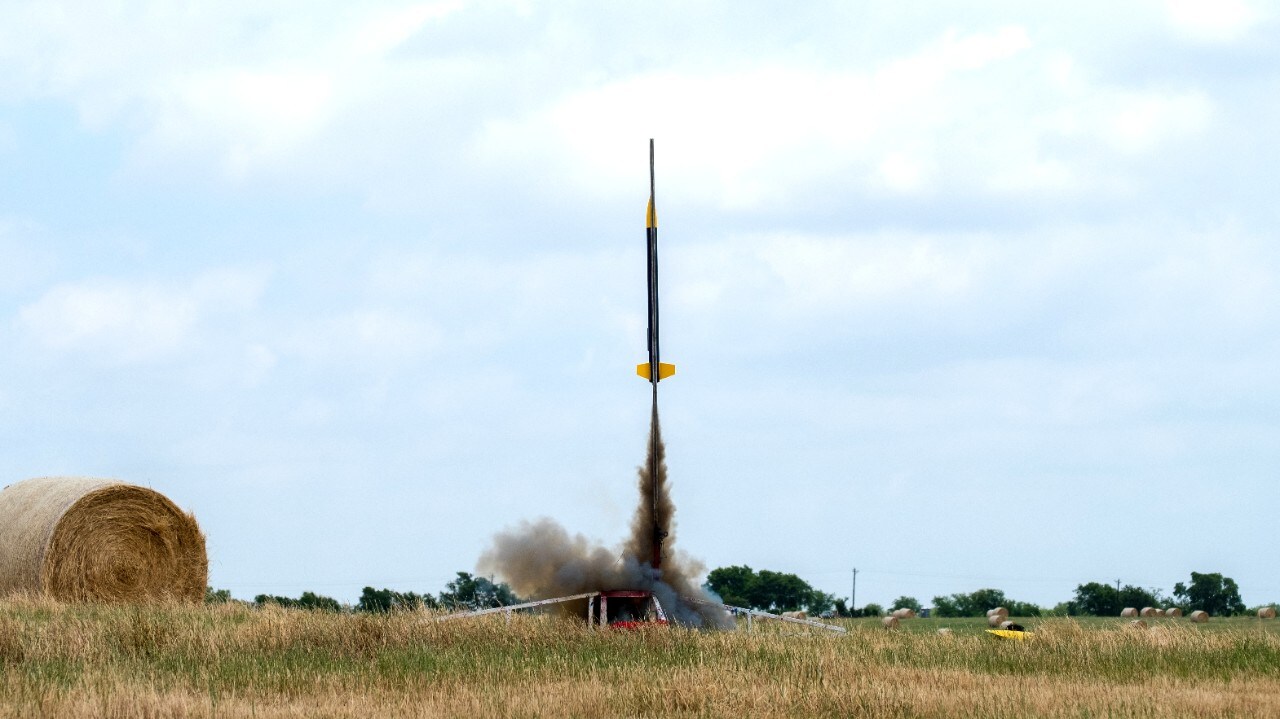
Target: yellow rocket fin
(664, 370)
(650, 216)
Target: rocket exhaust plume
(541, 560)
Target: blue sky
(962, 295)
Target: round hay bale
(1199, 616)
(85, 539)
(993, 620)
(1267, 613)
(1138, 624)
(1006, 624)
(1173, 612)
(998, 610)
(889, 622)
(1147, 612)
(1159, 612)
(904, 613)
(1128, 612)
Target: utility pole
(1117, 586)
(853, 596)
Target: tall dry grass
(233, 661)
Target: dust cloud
(542, 560)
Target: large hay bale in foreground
(1199, 616)
(85, 539)
(1174, 612)
(889, 622)
(1267, 613)
(1128, 612)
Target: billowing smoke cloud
(541, 560)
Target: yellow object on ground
(1012, 634)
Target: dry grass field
(234, 661)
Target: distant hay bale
(796, 615)
(1147, 612)
(944, 632)
(1267, 613)
(84, 539)
(998, 610)
(1138, 624)
(1173, 612)
(1199, 616)
(1128, 612)
(993, 620)
(889, 622)
(904, 613)
(1159, 612)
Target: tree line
(777, 592)
(464, 592)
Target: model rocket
(654, 370)
(646, 370)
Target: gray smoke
(541, 560)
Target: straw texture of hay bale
(1128, 612)
(993, 620)
(1267, 613)
(1199, 616)
(1173, 612)
(1138, 623)
(904, 613)
(889, 622)
(998, 610)
(1147, 612)
(85, 539)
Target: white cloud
(1212, 20)
(120, 321)
(1142, 122)
(365, 337)
(23, 263)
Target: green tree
(1097, 599)
(871, 610)
(1214, 593)
(976, 604)
(779, 592)
(820, 603)
(842, 607)
(387, 600)
(216, 596)
(308, 600)
(907, 603)
(767, 590)
(732, 584)
(468, 592)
